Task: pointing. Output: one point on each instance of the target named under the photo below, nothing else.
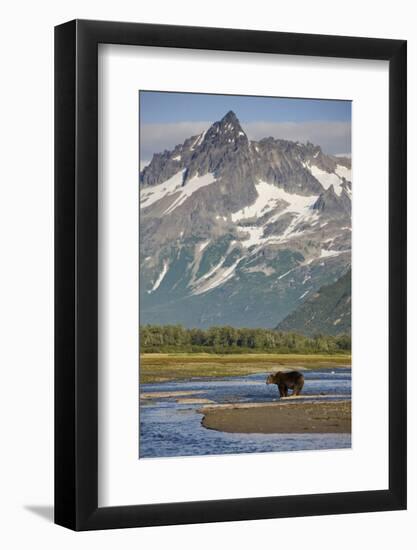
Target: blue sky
(168, 118)
(157, 107)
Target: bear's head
(273, 378)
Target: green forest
(226, 339)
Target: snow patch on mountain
(221, 277)
(203, 245)
(174, 186)
(344, 172)
(329, 253)
(191, 187)
(291, 231)
(268, 197)
(160, 278)
(300, 205)
(200, 139)
(255, 236)
(286, 273)
(150, 195)
(212, 271)
(327, 179)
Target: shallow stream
(169, 428)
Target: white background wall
(26, 301)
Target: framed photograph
(230, 247)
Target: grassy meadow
(162, 367)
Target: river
(169, 429)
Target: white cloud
(333, 136)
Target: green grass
(161, 367)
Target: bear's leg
(282, 388)
(298, 387)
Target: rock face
(327, 311)
(240, 232)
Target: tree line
(226, 339)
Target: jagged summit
(223, 151)
(223, 146)
(227, 130)
(231, 118)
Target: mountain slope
(328, 311)
(239, 232)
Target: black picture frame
(76, 273)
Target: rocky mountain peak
(230, 123)
(226, 132)
(331, 204)
(222, 150)
(222, 146)
(230, 117)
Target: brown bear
(284, 380)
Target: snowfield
(326, 179)
(150, 195)
(269, 195)
(174, 186)
(344, 172)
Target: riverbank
(164, 367)
(292, 415)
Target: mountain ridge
(236, 231)
(327, 311)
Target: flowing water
(168, 428)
